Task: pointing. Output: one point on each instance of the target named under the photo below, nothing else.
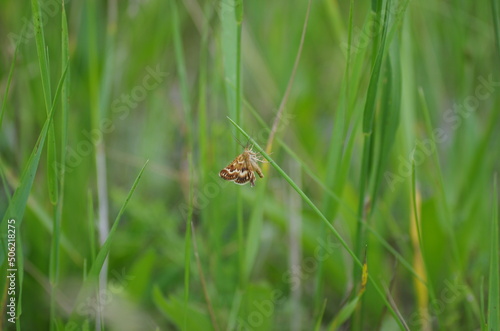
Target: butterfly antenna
(248, 142)
(239, 142)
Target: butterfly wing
(246, 175)
(229, 172)
(232, 171)
(240, 171)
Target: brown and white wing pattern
(241, 169)
(232, 171)
(246, 175)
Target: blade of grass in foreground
(19, 200)
(312, 174)
(95, 269)
(17, 204)
(45, 75)
(56, 227)
(368, 120)
(321, 216)
(494, 283)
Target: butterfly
(241, 169)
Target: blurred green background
(384, 155)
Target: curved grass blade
(321, 216)
(93, 275)
(349, 309)
(368, 126)
(45, 76)
(332, 194)
(19, 199)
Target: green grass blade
(19, 200)
(343, 172)
(444, 205)
(389, 119)
(95, 269)
(17, 204)
(231, 15)
(41, 51)
(368, 119)
(468, 182)
(317, 326)
(173, 309)
(344, 314)
(56, 227)
(320, 214)
(45, 76)
(103, 252)
(370, 104)
(494, 278)
(418, 223)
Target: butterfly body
(241, 170)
